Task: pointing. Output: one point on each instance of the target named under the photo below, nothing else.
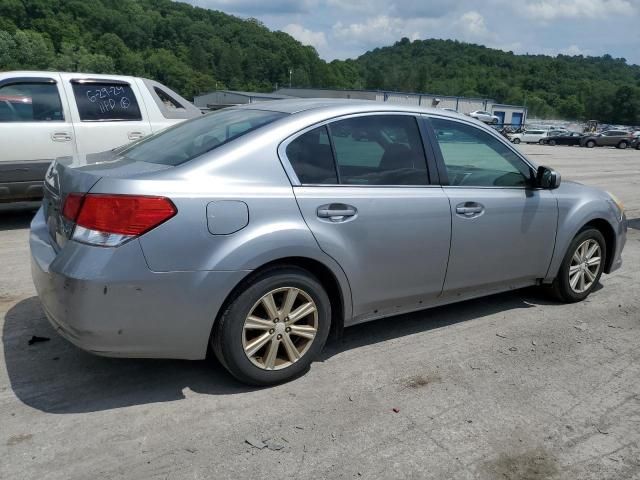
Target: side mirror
(547, 178)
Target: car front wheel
(274, 328)
(623, 144)
(590, 144)
(582, 266)
(516, 141)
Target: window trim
(7, 82)
(442, 169)
(98, 81)
(295, 181)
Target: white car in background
(485, 117)
(46, 115)
(529, 136)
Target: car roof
(343, 106)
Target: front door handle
(135, 135)
(469, 209)
(61, 137)
(337, 212)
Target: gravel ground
(513, 386)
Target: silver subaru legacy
(257, 230)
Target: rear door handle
(135, 135)
(336, 212)
(469, 209)
(61, 137)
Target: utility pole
(290, 74)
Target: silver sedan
(257, 230)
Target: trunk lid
(79, 173)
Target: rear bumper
(22, 180)
(108, 302)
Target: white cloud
(380, 30)
(549, 10)
(473, 23)
(306, 36)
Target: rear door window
(30, 102)
(379, 150)
(106, 101)
(311, 158)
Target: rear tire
(252, 318)
(568, 286)
(516, 141)
(623, 145)
(552, 142)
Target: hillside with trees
(195, 50)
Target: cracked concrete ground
(513, 386)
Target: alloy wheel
(280, 328)
(585, 265)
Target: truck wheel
(274, 327)
(582, 266)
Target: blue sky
(346, 29)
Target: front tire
(582, 266)
(516, 141)
(274, 327)
(552, 142)
(590, 144)
(623, 145)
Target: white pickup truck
(45, 115)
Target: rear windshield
(192, 138)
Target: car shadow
(14, 216)
(56, 377)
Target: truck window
(106, 101)
(168, 101)
(30, 102)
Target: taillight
(72, 206)
(110, 220)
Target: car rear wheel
(590, 144)
(552, 142)
(274, 328)
(582, 266)
(516, 140)
(623, 144)
(541, 142)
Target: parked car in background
(530, 136)
(44, 115)
(610, 138)
(564, 138)
(485, 117)
(255, 230)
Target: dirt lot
(512, 386)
